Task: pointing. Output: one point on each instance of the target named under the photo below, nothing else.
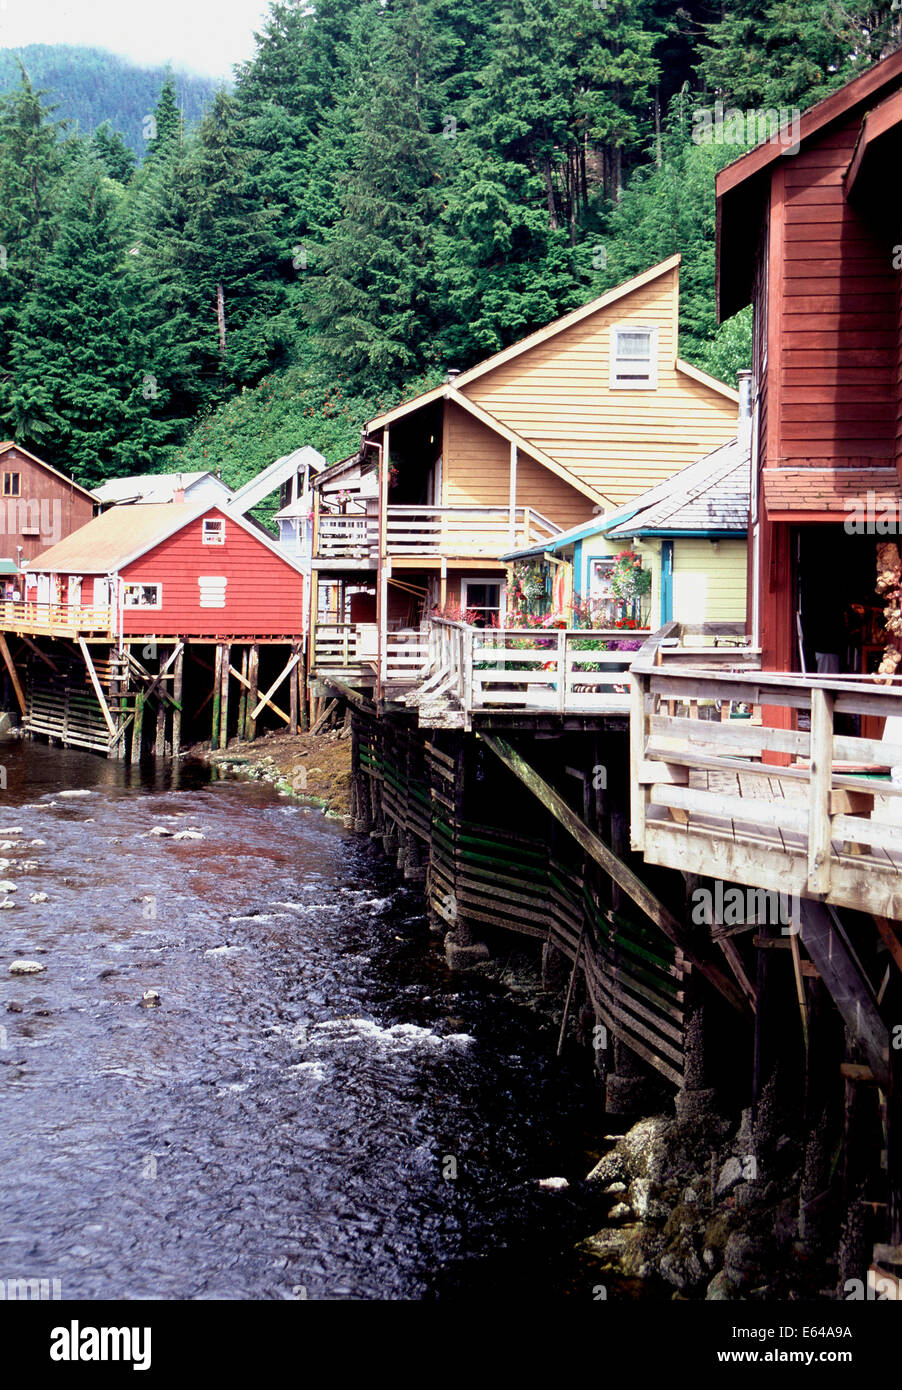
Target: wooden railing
(777, 798)
(55, 619)
(465, 530)
(347, 535)
(406, 656)
(574, 670)
(337, 646)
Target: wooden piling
(137, 726)
(160, 745)
(177, 707)
(217, 697)
(242, 697)
(252, 694)
(224, 701)
(293, 697)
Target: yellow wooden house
(573, 421)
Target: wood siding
(264, 595)
(709, 581)
(838, 319)
(47, 504)
(477, 472)
(624, 441)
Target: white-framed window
(212, 590)
(634, 357)
(484, 601)
(142, 596)
(600, 570)
(214, 530)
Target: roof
(542, 335)
(8, 567)
(279, 472)
(830, 492)
(710, 496)
(742, 185)
(11, 444)
(151, 487)
(121, 535)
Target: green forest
(389, 189)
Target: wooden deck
(768, 805)
(55, 619)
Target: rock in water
(38, 898)
(26, 967)
(7, 887)
(188, 835)
(554, 1184)
(82, 793)
(150, 998)
(159, 830)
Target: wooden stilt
(160, 746)
(242, 697)
(13, 673)
(224, 702)
(138, 726)
(177, 707)
(302, 695)
(217, 697)
(293, 699)
(253, 677)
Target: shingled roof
(710, 496)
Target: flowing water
(314, 1108)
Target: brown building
(38, 505)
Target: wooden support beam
(616, 869)
(274, 687)
(293, 702)
(37, 651)
(138, 726)
(224, 699)
(177, 697)
(13, 673)
(819, 825)
(242, 695)
(98, 689)
(253, 668)
(850, 990)
(243, 681)
(217, 697)
(891, 940)
(324, 716)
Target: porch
(800, 803)
(36, 619)
(420, 532)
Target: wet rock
(159, 830)
(14, 1007)
(150, 999)
(8, 902)
(613, 1189)
(38, 897)
(743, 1256)
(189, 835)
(554, 1184)
(7, 887)
(645, 1205)
(620, 1212)
(11, 830)
(721, 1288)
(609, 1169)
(730, 1176)
(460, 957)
(643, 1147)
(28, 866)
(37, 844)
(25, 967)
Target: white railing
(465, 530)
(571, 670)
(336, 646)
(406, 656)
(347, 535)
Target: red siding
(264, 594)
(47, 504)
(837, 318)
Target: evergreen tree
(75, 391)
(113, 153)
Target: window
(214, 530)
(142, 596)
(212, 590)
(483, 603)
(634, 358)
(11, 484)
(600, 577)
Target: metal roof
(119, 536)
(708, 496)
(279, 472)
(151, 487)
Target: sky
(204, 36)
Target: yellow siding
(557, 395)
(709, 581)
(477, 473)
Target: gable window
(212, 590)
(11, 484)
(214, 530)
(634, 358)
(142, 596)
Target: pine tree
(75, 390)
(113, 153)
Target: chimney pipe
(744, 427)
(452, 374)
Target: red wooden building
(38, 505)
(144, 604)
(168, 570)
(811, 239)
